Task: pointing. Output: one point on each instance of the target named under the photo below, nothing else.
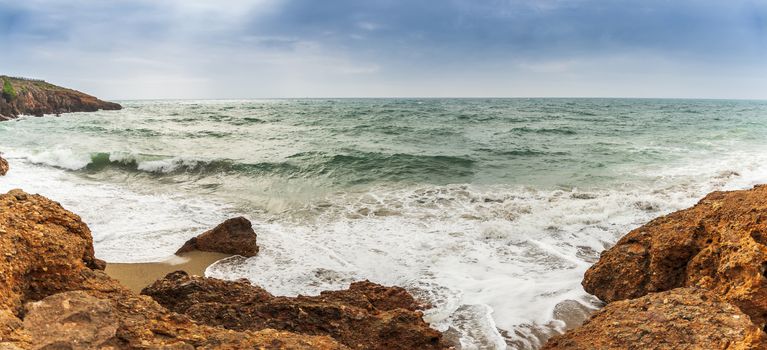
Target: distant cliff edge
(36, 97)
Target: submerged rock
(3, 166)
(233, 236)
(48, 254)
(683, 318)
(365, 316)
(37, 97)
(720, 244)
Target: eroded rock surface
(233, 236)
(683, 318)
(365, 316)
(720, 244)
(74, 320)
(50, 281)
(44, 247)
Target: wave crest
(346, 168)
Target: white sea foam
(65, 158)
(501, 264)
(62, 158)
(498, 264)
(127, 225)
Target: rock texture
(720, 244)
(3, 166)
(365, 316)
(76, 319)
(233, 236)
(36, 97)
(683, 318)
(45, 248)
(53, 294)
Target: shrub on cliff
(8, 92)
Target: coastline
(702, 302)
(37, 97)
(57, 294)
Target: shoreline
(137, 276)
(56, 293)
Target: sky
(155, 49)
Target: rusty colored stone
(683, 318)
(720, 245)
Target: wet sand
(136, 276)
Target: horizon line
(444, 98)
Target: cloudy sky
(122, 49)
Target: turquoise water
(491, 209)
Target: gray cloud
(274, 48)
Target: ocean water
(489, 209)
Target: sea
(489, 210)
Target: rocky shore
(54, 294)
(36, 97)
(693, 279)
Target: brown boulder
(683, 318)
(365, 316)
(233, 236)
(720, 244)
(48, 252)
(3, 166)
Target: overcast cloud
(345, 48)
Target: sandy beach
(139, 275)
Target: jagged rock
(44, 247)
(366, 316)
(720, 244)
(36, 97)
(683, 318)
(48, 253)
(3, 166)
(233, 236)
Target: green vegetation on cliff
(8, 92)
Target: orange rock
(45, 247)
(720, 244)
(683, 318)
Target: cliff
(36, 97)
